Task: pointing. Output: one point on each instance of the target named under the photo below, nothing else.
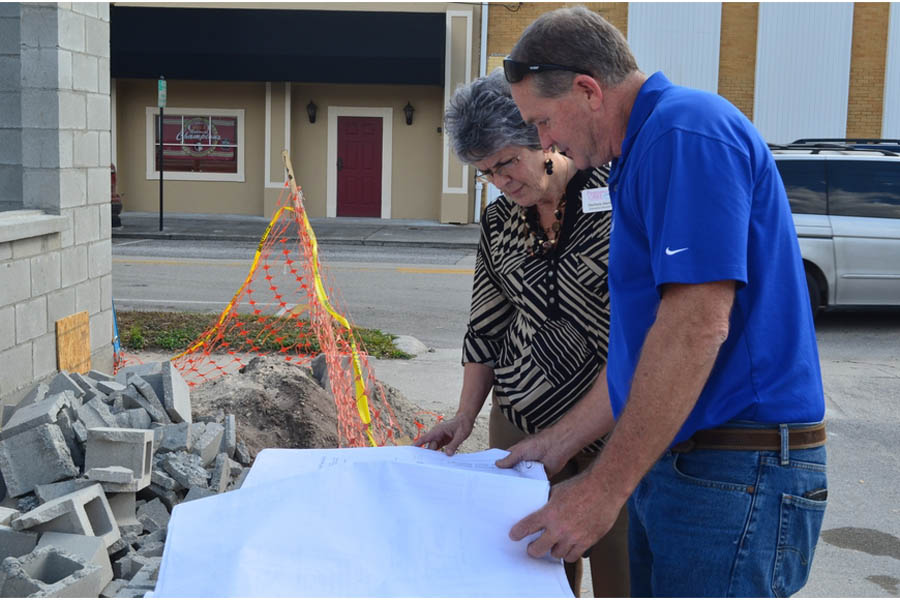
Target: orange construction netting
(283, 308)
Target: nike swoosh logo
(673, 252)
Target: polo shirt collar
(644, 104)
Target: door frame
(386, 115)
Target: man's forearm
(587, 421)
(678, 355)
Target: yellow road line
(436, 271)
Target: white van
(845, 198)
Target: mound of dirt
(281, 405)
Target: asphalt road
(425, 293)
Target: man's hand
(539, 447)
(447, 435)
(572, 521)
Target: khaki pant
(609, 556)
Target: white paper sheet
(376, 522)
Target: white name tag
(595, 200)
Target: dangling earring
(548, 166)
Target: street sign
(161, 93)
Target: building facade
(55, 247)
(330, 82)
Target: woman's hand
(540, 447)
(447, 434)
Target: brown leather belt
(736, 438)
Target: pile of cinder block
(91, 467)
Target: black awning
(277, 45)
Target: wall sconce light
(311, 109)
(408, 110)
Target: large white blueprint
(395, 522)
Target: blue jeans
(726, 523)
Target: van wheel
(815, 294)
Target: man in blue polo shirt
(712, 391)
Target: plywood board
(73, 343)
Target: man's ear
(585, 86)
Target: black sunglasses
(516, 71)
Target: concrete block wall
(55, 250)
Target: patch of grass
(174, 332)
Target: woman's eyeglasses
(488, 175)
(516, 71)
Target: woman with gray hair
(539, 323)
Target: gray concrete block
(22, 472)
(138, 418)
(113, 588)
(110, 474)
(7, 515)
(80, 431)
(167, 497)
(154, 536)
(110, 387)
(126, 567)
(197, 431)
(84, 512)
(234, 468)
(16, 543)
(242, 453)
(31, 319)
(122, 419)
(6, 412)
(51, 491)
(176, 394)
(35, 414)
(229, 441)
(89, 549)
(151, 549)
(45, 273)
(186, 469)
(62, 382)
(37, 393)
(99, 376)
(16, 276)
(66, 421)
(176, 437)
(148, 400)
(220, 478)
(50, 573)
(160, 478)
(207, 446)
(196, 493)
(145, 579)
(18, 364)
(239, 480)
(95, 414)
(143, 370)
(26, 503)
(129, 448)
(7, 314)
(123, 506)
(83, 381)
(153, 515)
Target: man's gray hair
(482, 119)
(574, 37)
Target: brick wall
(737, 54)
(506, 22)
(55, 260)
(867, 63)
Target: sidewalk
(339, 230)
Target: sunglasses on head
(516, 71)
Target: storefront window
(197, 144)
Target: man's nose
(546, 142)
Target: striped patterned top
(541, 322)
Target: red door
(359, 167)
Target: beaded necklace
(543, 240)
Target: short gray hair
(574, 37)
(482, 119)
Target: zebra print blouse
(541, 322)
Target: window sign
(198, 143)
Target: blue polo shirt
(697, 198)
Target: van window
(864, 188)
(804, 182)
